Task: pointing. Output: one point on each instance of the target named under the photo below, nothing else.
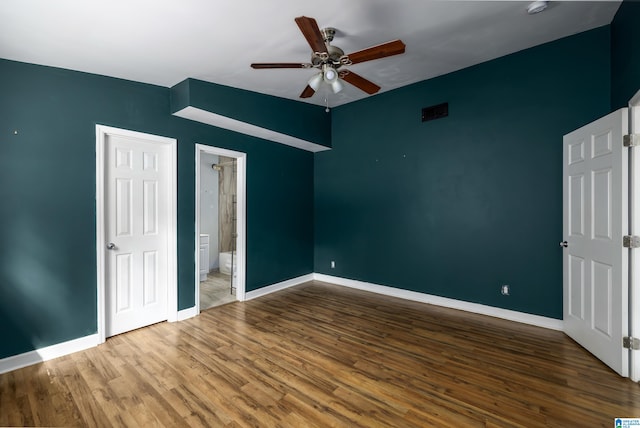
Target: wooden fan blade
(308, 92)
(380, 51)
(311, 32)
(262, 65)
(360, 82)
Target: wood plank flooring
(321, 355)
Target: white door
(595, 219)
(137, 210)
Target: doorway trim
(102, 132)
(634, 229)
(241, 195)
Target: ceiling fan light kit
(337, 86)
(315, 81)
(328, 59)
(330, 73)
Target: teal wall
(625, 54)
(458, 206)
(453, 207)
(47, 194)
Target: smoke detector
(536, 7)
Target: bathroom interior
(218, 200)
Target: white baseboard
(521, 317)
(15, 362)
(278, 286)
(48, 353)
(187, 313)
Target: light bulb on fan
(330, 73)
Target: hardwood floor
(323, 355)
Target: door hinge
(631, 140)
(631, 241)
(632, 343)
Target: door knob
(111, 246)
(564, 244)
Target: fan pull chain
(327, 103)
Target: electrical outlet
(504, 290)
(333, 264)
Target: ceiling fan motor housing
(333, 56)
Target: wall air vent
(435, 112)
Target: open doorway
(220, 226)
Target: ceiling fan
(329, 59)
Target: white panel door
(595, 219)
(136, 232)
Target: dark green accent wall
(47, 197)
(453, 207)
(458, 206)
(625, 54)
(305, 121)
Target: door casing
(634, 229)
(102, 133)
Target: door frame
(241, 199)
(102, 132)
(634, 229)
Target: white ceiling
(163, 42)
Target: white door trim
(172, 257)
(634, 218)
(241, 193)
